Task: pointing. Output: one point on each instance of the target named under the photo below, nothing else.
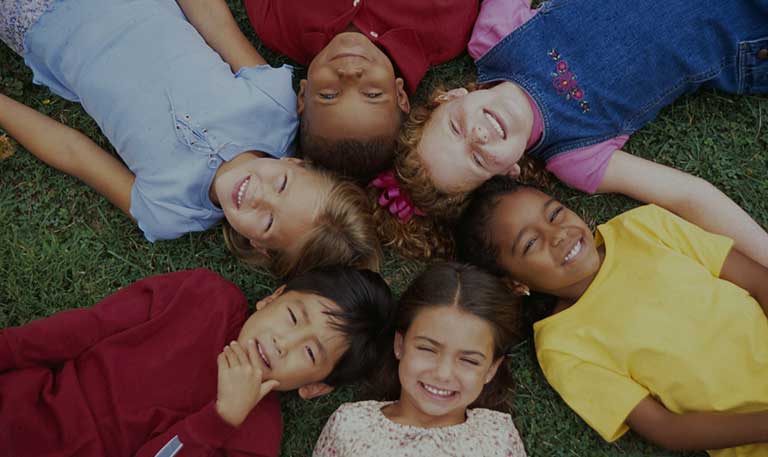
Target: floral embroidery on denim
(565, 82)
(16, 17)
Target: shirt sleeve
(708, 249)
(275, 83)
(584, 168)
(513, 441)
(601, 397)
(330, 443)
(497, 19)
(65, 335)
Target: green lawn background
(63, 246)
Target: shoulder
(499, 429)
(358, 414)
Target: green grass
(63, 246)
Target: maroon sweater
(130, 375)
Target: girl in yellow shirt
(659, 326)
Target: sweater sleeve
(67, 334)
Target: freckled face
(296, 343)
(446, 357)
(351, 90)
(476, 135)
(543, 244)
(271, 202)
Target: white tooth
(436, 391)
(495, 124)
(572, 253)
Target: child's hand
(240, 386)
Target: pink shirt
(581, 168)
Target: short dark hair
(359, 159)
(473, 291)
(474, 243)
(365, 316)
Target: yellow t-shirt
(657, 320)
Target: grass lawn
(63, 246)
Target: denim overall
(600, 69)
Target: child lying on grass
(659, 325)
(143, 373)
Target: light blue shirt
(166, 101)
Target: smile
(239, 192)
(573, 252)
(495, 124)
(263, 355)
(435, 392)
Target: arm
(747, 274)
(691, 198)
(696, 431)
(65, 335)
(240, 389)
(214, 21)
(68, 150)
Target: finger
(267, 386)
(231, 357)
(242, 358)
(221, 361)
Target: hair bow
(394, 198)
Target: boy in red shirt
(352, 103)
(143, 372)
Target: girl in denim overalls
(569, 82)
(197, 118)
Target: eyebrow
(440, 345)
(522, 231)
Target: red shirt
(126, 376)
(414, 33)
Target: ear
(517, 287)
(398, 345)
(402, 96)
(513, 172)
(315, 389)
(269, 299)
(293, 160)
(493, 369)
(259, 248)
(452, 94)
(300, 96)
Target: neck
(571, 294)
(405, 412)
(226, 166)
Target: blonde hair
(430, 235)
(343, 234)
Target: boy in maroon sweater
(352, 102)
(143, 372)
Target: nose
(284, 342)
(444, 369)
(349, 72)
(557, 236)
(261, 194)
(479, 135)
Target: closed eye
(426, 349)
(270, 222)
(327, 95)
(554, 214)
(373, 94)
(311, 354)
(529, 245)
(293, 316)
(283, 184)
(471, 362)
(454, 128)
(477, 160)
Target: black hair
(474, 241)
(473, 291)
(365, 316)
(359, 159)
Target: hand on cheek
(240, 384)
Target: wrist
(232, 418)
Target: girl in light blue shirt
(198, 119)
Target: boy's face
(543, 244)
(351, 91)
(297, 344)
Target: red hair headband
(395, 199)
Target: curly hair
(343, 234)
(472, 291)
(429, 236)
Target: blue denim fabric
(166, 101)
(599, 69)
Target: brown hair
(429, 235)
(344, 234)
(472, 291)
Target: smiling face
(446, 357)
(543, 244)
(473, 136)
(270, 202)
(297, 343)
(351, 91)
